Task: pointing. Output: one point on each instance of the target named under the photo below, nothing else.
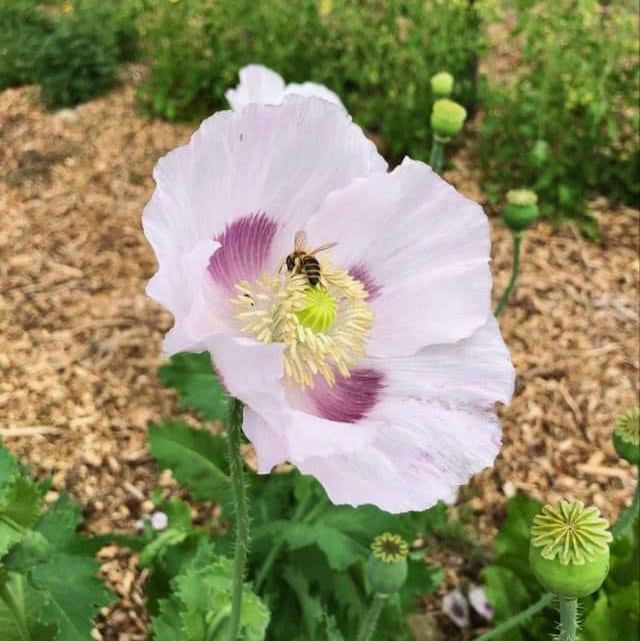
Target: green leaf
(615, 615)
(196, 458)
(30, 603)
(19, 509)
(200, 604)
(340, 549)
(196, 383)
(8, 464)
(73, 593)
(508, 595)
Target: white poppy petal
(423, 250)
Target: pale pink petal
(276, 162)
(261, 85)
(422, 452)
(348, 400)
(480, 603)
(474, 372)
(269, 443)
(313, 89)
(258, 84)
(251, 372)
(455, 606)
(424, 249)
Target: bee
(301, 261)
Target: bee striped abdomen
(311, 269)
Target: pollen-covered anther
(324, 327)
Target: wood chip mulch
(80, 342)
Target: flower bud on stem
(387, 573)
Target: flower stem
(568, 620)
(234, 427)
(517, 619)
(515, 271)
(436, 158)
(370, 621)
(628, 516)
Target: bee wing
(322, 248)
(300, 241)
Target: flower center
(570, 531)
(323, 325)
(389, 548)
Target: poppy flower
(346, 306)
(261, 85)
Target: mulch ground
(80, 342)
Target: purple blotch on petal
(361, 272)
(349, 399)
(244, 249)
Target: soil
(80, 341)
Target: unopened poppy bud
(521, 210)
(387, 565)
(442, 84)
(569, 549)
(626, 436)
(447, 117)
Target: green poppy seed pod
(320, 313)
(387, 565)
(626, 436)
(521, 210)
(569, 549)
(447, 117)
(442, 84)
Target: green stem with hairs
(515, 271)
(568, 620)
(370, 621)
(628, 516)
(236, 466)
(518, 619)
(436, 158)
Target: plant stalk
(568, 620)
(436, 158)
(234, 439)
(517, 620)
(370, 621)
(515, 272)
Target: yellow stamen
(324, 328)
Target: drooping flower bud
(569, 549)
(626, 436)
(521, 210)
(320, 313)
(447, 118)
(442, 84)
(387, 565)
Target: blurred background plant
(561, 118)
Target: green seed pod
(521, 210)
(569, 549)
(387, 565)
(442, 84)
(626, 436)
(447, 117)
(320, 313)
